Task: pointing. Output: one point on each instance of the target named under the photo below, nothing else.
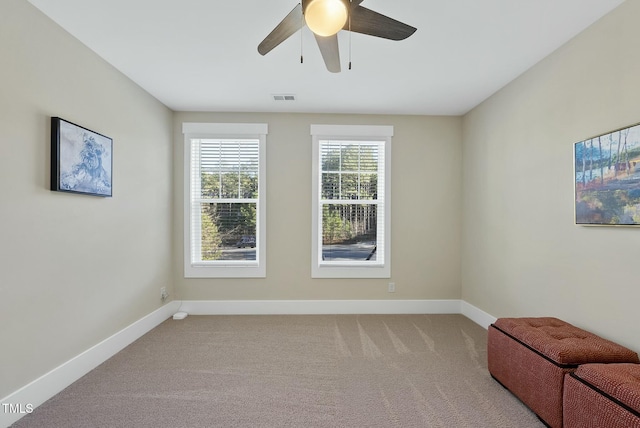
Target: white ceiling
(201, 55)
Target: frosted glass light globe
(325, 17)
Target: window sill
(195, 271)
(327, 271)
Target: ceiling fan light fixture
(326, 17)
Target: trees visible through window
(350, 199)
(225, 204)
(227, 194)
(351, 193)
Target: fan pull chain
(301, 30)
(350, 8)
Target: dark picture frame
(81, 159)
(607, 178)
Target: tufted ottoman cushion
(602, 396)
(530, 356)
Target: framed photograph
(81, 159)
(607, 178)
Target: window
(224, 200)
(351, 186)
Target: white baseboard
(315, 307)
(48, 385)
(476, 315)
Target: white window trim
(252, 269)
(337, 269)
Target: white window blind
(224, 200)
(224, 213)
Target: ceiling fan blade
(288, 26)
(372, 23)
(330, 53)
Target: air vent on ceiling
(284, 97)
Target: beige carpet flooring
(294, 371)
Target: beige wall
(425, 212)
(522, 254)
(74, 269)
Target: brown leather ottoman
(530, 356)
(602, 396)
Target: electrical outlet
(392, 287)
(163, 293)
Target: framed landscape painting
(607, 179)
(81, 159)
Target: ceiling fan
(325, 18)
